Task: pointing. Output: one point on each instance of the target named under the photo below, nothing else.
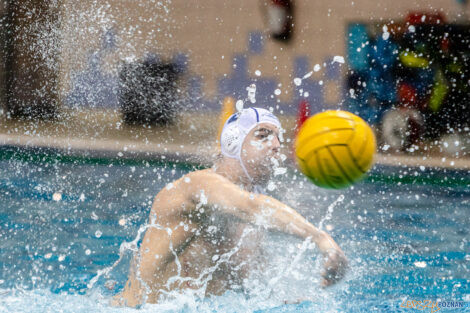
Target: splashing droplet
(57, 196)
(251, 93)
(338, 59)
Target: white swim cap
(237, 127)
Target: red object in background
(407, 95)
(302, 115)
(445, 44)
(415, 18)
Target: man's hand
(334, 267)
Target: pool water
(63, 220)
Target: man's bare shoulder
(186, 189)
(206, 178)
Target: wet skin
(202, 231)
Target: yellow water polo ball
(335, 148)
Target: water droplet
(57, 196)
(251, 93)
(307, 75)
(280, 171)
(94, 216)
(338, 59)
(271, 186)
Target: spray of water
(329, 212)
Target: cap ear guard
(230, 140)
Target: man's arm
(219, 193)
(163, 238)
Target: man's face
(261, 145)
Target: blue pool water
(63, 219)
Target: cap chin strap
(244, 169)
(256, 188)
(240, 153)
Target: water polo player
(203, 228)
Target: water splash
(306, 245)
(125, 246)
(329, 212)
(205, 276)
(251, 93)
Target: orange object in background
(228, 108)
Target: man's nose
(276, 144)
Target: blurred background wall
(218, 40)
(66, 54)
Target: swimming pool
(63, 219)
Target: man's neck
(232, 170)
